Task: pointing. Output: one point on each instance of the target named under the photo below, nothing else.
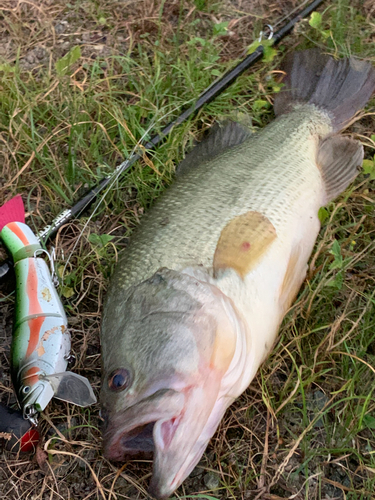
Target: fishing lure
(41, 341)
(16, 433)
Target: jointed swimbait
(41, 340)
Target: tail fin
(340, 87)
(12, 211)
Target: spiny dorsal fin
(222, 136)
(338, 159)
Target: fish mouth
(173, 428)
(130, 433)
(139, 441)
(134, 443)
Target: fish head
(170, 354)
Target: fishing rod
(206, 97)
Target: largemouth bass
(197, 298)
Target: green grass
(306, 426)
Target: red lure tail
(12, 211)
(20, 436)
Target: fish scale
(205, 199)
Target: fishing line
(113, 179)
(216, 88)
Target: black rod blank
(206, 97)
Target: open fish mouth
(139, 440)
(130, 433)
(171, 427)
(155, 440)
(143, 440)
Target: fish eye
(26, 389)
(119, 379)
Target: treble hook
(51, 257)
(31, 414)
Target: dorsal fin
(222, 136)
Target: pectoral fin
(243, 242)
(338, 159)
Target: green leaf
(100, 240)
(216, 72)
(67, 291)
(368, 421)
(196, 40)
(369, 168)
(315, 20)
(336, 264)
(269, 53)
(260, 104)
(337, 282)
(62, 65)
(60, 270)
(252, 47)
(373, 138)
(221, 29)
(322, 214)
(336, 252)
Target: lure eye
(119, 380)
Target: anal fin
(338, 159)
(294, 277)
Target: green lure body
(41, 341)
